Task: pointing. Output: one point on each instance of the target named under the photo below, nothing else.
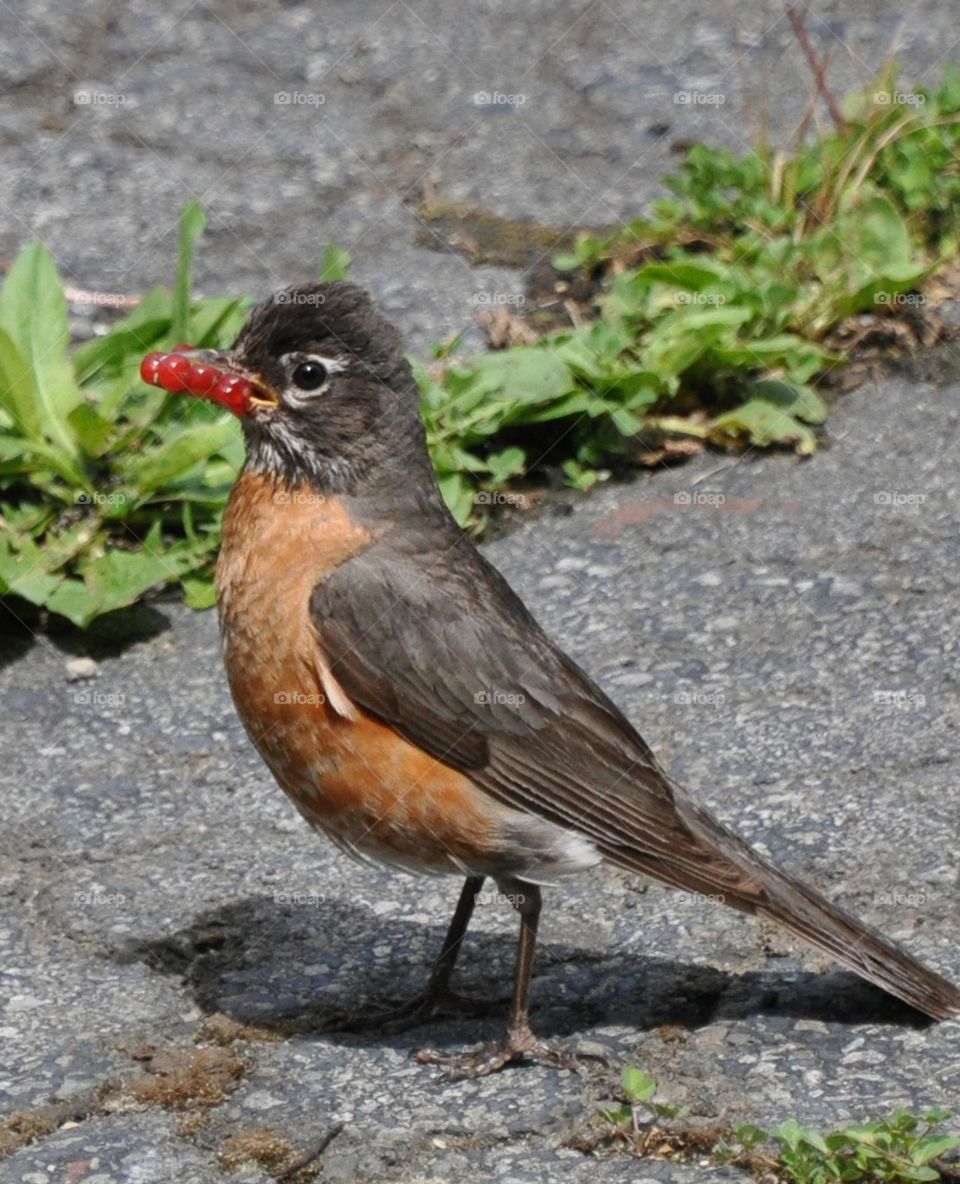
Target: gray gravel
(783, 633)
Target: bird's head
(320, 383)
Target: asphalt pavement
(185, 968)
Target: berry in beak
(207, 374)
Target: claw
(491, 1058)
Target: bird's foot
(491, 1058)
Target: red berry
(173, 372)
(231, 391)
(149, 367)
(202, 379)
(176, 372)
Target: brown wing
(446, 653)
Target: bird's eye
(309, 376)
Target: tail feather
(860, 948)
(749, 883)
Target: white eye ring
(309, 375)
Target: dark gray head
(341, 401)
(320, 383)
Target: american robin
(399, 690)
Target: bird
(402, 694)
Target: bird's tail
(735, 873)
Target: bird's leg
(437, 998)
(520, 1041)
(450, 950)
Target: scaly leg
(520, 1041)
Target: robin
(403, 696)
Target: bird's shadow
(331, 971)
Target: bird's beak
(210, 374)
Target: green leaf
(578, 476)
(23, 571)
(764, 424)
(180, 453)
(877, 234)
(91, 430)
(686, 334)
(791, 1133)
(199, 592)
(116, 347)
(795, 399)
(215, 323)
(680, 273)
(336, 264)
(523, 375)
(33, 308)
(74, 600)
(619, 1116)
(932, 1147)
(458, 493)
(637, 1085)
(193, 221)
(56, 463)
(626, 423)
(118, 578)
(506, 464)
(33, 314)
(18, 391)
(749, 1135)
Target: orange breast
(347, 773)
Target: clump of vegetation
(901, 1149)
(714, 319)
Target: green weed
(901, 1149)
(712, 320)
